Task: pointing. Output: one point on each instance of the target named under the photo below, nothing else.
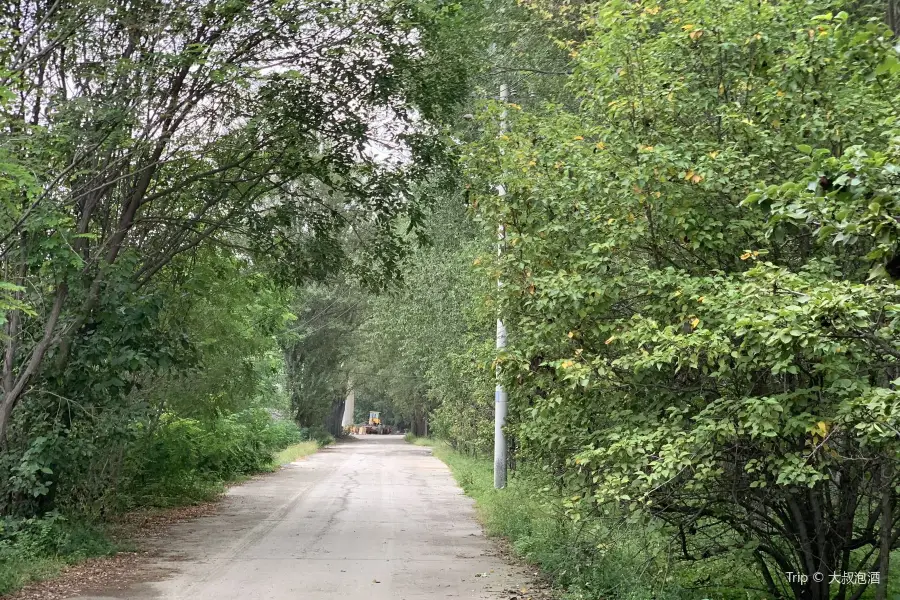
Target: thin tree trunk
(884, 552)
(12, 396)
(892, 16)
(13, 326)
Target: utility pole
(500, 392)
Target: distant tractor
(374, 425)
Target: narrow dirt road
(374, 518)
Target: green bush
(36, 548)
(591, 559)
(177, 461)
(323, 439)
(185, 460)
(703, 300)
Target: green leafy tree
(426, 344)
(165, 170)
(698, 279)
(153, 128)
(425, 349)
(318, 350)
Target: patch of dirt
(90, 574)
(137, 525)
(540, 588)
(124, 568)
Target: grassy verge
(593, 559)
(589, 559)
(296, 451)
(38, 549)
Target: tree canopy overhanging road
(220, 220)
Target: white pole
(499, 392)
(349, 405)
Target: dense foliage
(424, 348)
(172, 176)
(170, 173)
(318, 352)
(698, 277)
(217, 220)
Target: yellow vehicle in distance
(373, 426)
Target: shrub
(188, 460)
(36, 548)
(703, 299)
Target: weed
(38, 548)
(621, 566)
(292, 453)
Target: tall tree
(318, 352)
(426, 344)
(699, 279)
(154, 127)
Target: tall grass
(295, 451)
(39, 548)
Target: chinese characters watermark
(858, 578)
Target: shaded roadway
(371, 518)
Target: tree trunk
(335, 415)
(887, 518)
(892, 16)
(12, 396)
(419, 423)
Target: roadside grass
(589, 559)
(37, 549)
(17, 571)
(295, 451)
(419, 441)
